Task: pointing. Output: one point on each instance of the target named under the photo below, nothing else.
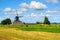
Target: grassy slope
(13, 34)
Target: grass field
(30, 32)
(54, 28)
(45, 28)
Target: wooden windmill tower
(17, 21)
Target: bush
(27, 25)
(6, 21)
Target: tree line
(7, 21)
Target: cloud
(48, 13)
(52, 1)
(37, 5)
(51, 11)
(36, 15)
(20, 10)
(24, 9)
(7, 9)
(24, 5)
(34, 5)
(33, 14)
(14, 11)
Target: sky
(31, 10)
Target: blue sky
(31, 10)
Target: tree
(6, 21)
(37, 22)
(46, 21)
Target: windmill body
(17, 21)
(16, 18)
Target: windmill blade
(20, 16)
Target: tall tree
(46, 21)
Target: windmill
(17, 21)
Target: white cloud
(24, 5)
(24, 9)
(44, 14)
(51, 11)
(37, 5)
(20, 10)
(57, 9)
(52, 1)
(39, 15)
(34, 5)
(7, 9)
(14, 11)
(33, 14)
